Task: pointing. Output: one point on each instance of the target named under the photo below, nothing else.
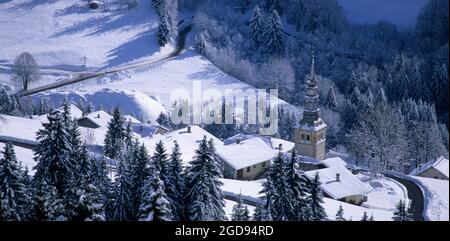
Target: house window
(263, 164)
(254, 166)
(248, 169)
(308, 138)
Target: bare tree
(26, 69)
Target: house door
(240, 173)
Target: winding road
(184, 29)
(415, 195)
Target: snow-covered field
(385, 194)
(436, 197)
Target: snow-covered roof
(441, 164)
(273, 143)
(145, 130)
(246, 153)
(349, 184)
(100, 117)
(188, 142)
(132, 119)
(329, 162)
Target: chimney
(189, 129)
(338, 177)
(141, 128)
(98, 115)
(280, 146)
(238, 141)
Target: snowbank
(436, 198)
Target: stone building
(310, 134)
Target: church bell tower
(310, 133)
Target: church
(310, 134)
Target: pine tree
(163, 32)
(257, 27)
(155, 205)
(381, 97)
(268, 191)
(439, 86)
(123, 209)
(401, 212)
(258, 214)
(239, 212)
(164, 120)
(273, 35)
(160, 160)
(365, 217)
(330, 101)
(101, 181)
(6, 102)
(200, 45)
(46, 206)
(52, 154)
(12, 188)
(140, 170)
(114, 139)
(340, 214)
(175, 187)
(371, 218)
(315, 200)
(283, 199)
(297, 183)
(204, 196)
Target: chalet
(338, 183)
(95, 120)
(247, 157)
(437, 169)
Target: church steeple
(310, 135)
(311, 103)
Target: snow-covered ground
(353, 212)
(60, 33)
(436, 197)
(385, 194)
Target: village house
(437, 169)
(247, 157)
(338, 183)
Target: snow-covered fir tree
(200, 45)
(46, 205)
(257, 27)
(155, 204)
(53, 154)
(314, 200)
(12, 188)
(204, 196)
(175, 188)
(330, 101)
(240, 211)
(401, 212)
(160, 160)
(283, 196)
(340, 214)
(163, 32)
(164, 120)
(365, 217)
(296, 182)
(123, 208)
(140, 170)
(114, 139)
(268, 211)
(273, 40)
